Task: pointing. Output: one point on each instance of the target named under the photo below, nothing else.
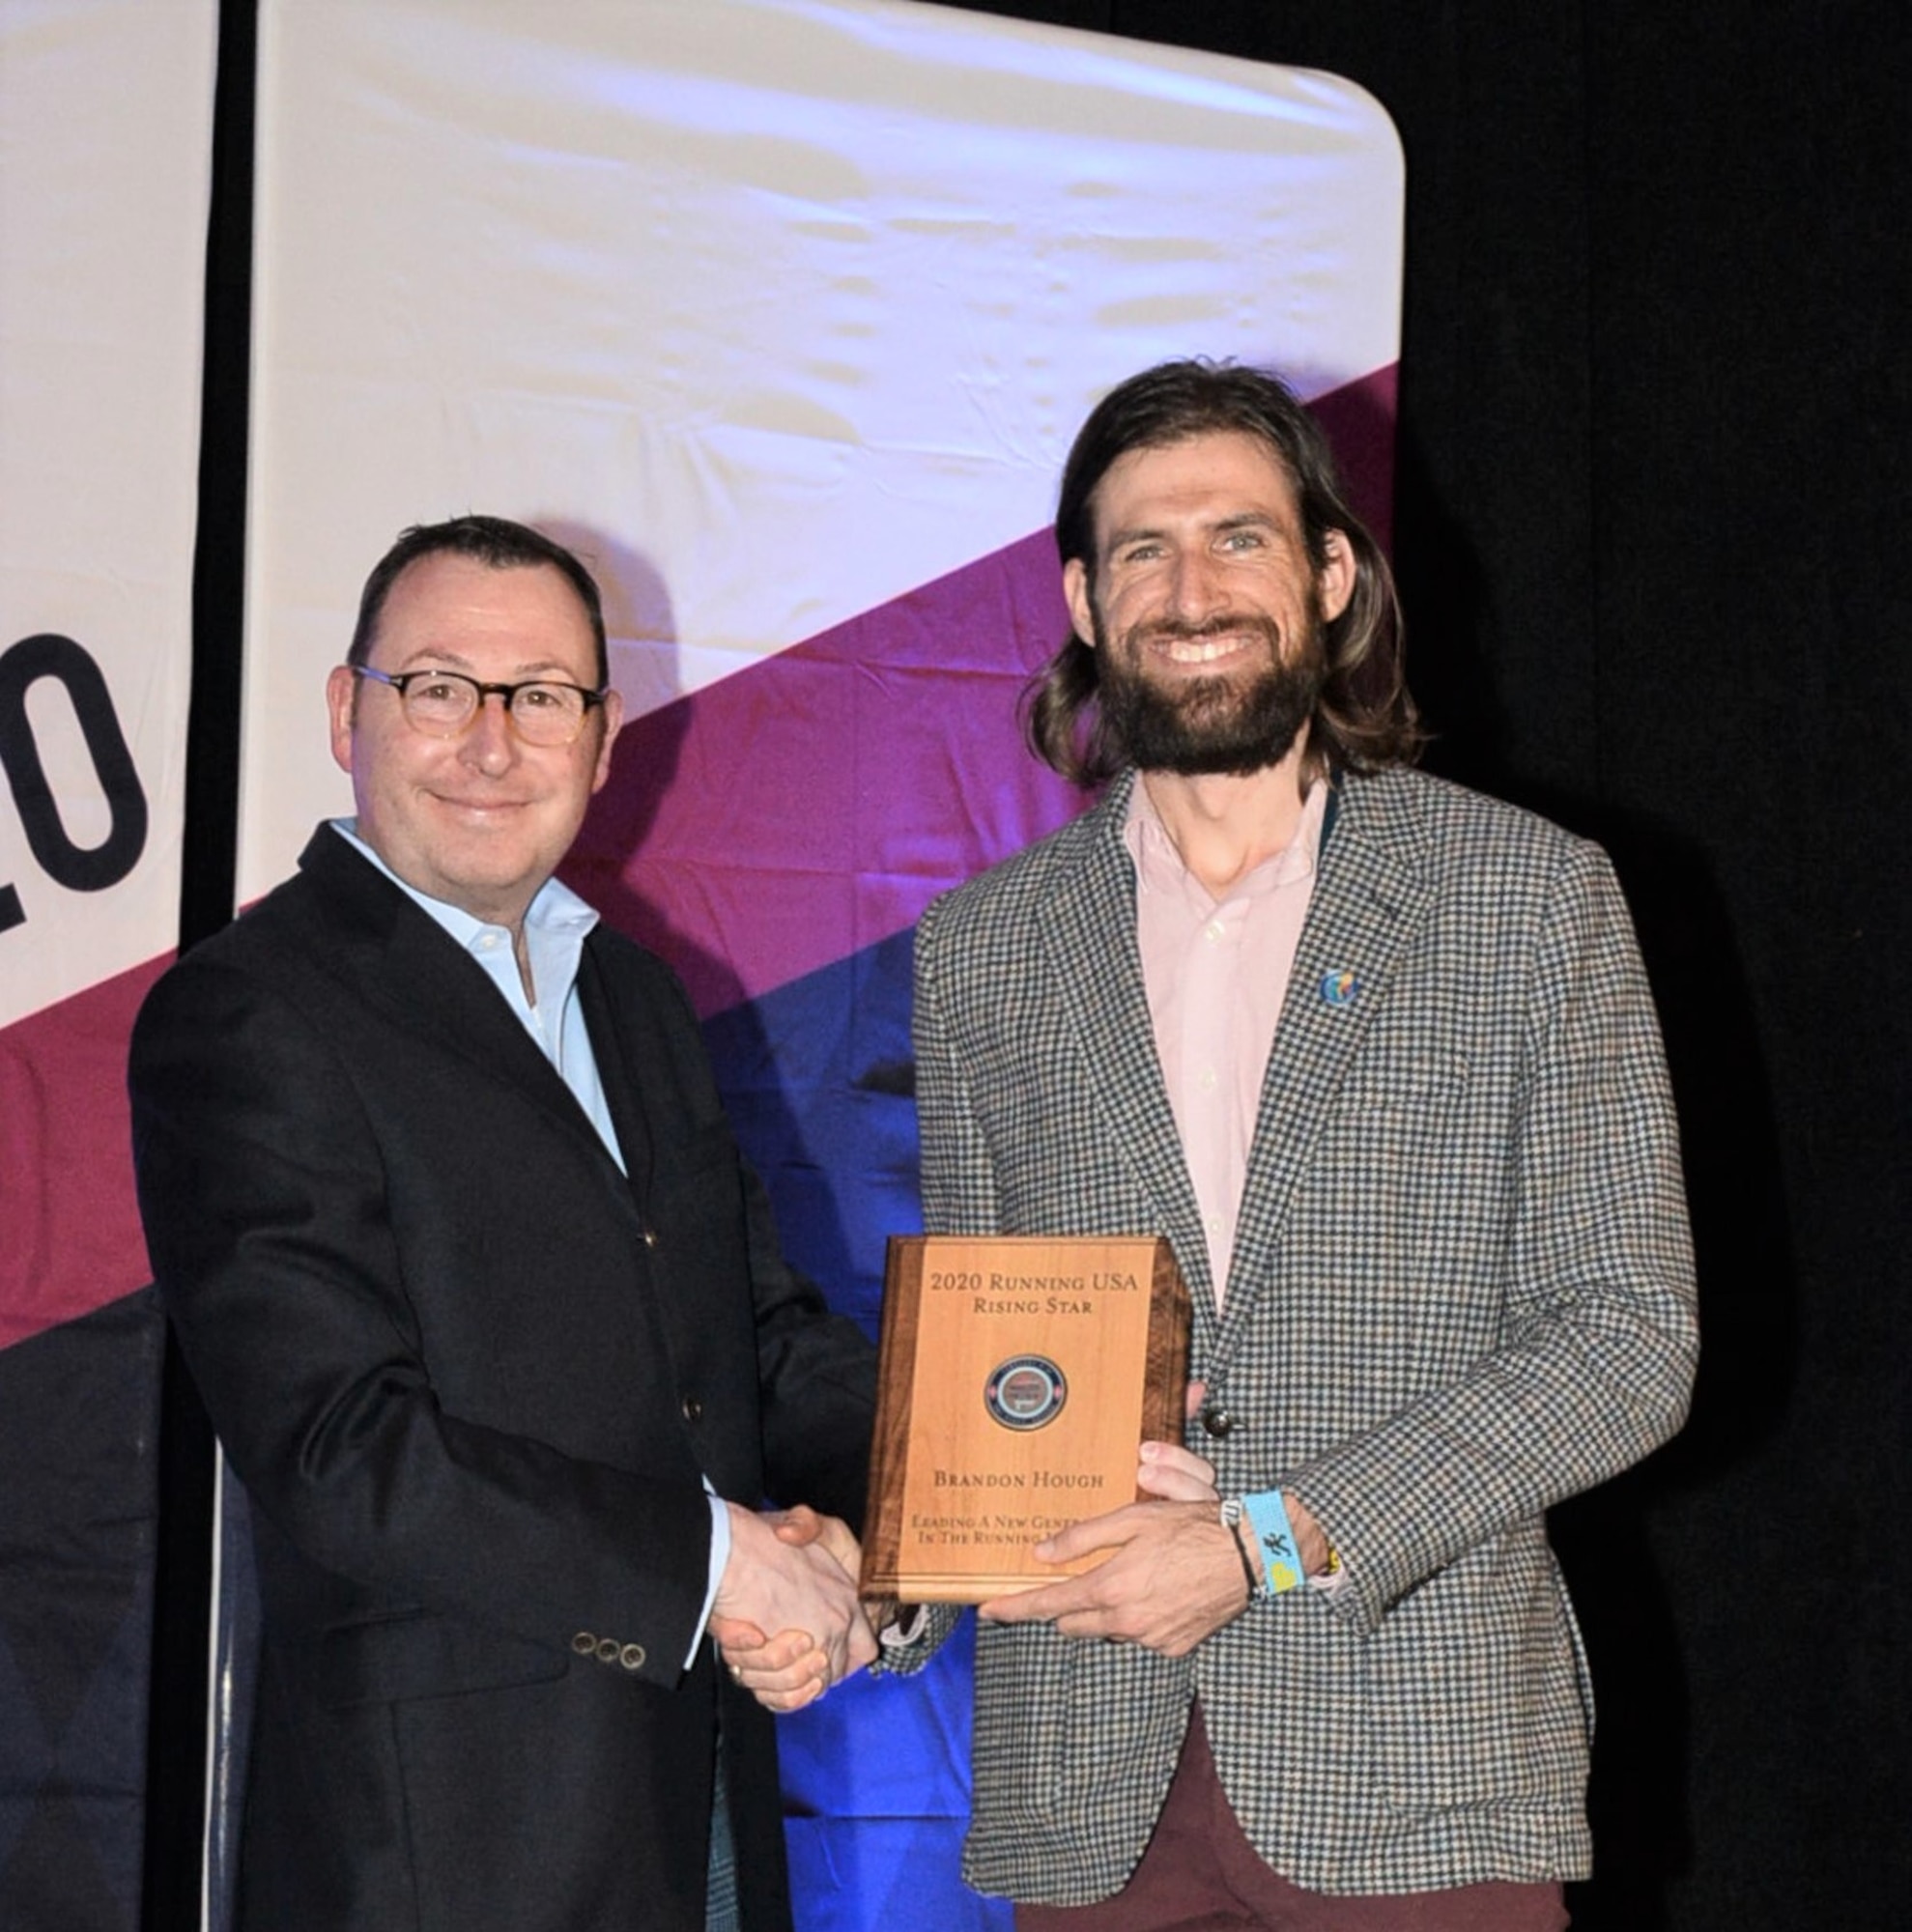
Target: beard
(1234, 724)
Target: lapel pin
(1339, 987)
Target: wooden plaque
(1017, 1374)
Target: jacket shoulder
(1455, 830)
(632, 974)
(285, 933)
(1026, 877)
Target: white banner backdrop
(790, 305)
(105, 128)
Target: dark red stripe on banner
(72, 1240)
(1359, 419)
(806, 808)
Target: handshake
(787, 1619)
(789, 1624)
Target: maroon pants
(1201, 1875)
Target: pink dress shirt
(1215, 973)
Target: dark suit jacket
(470, 1378)
(1461, 1288)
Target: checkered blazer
(1461, 1290)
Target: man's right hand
(802, 1591)
(1173, 1578)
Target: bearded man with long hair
(1377, 1055)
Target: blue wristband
(1274, 1535)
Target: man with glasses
(490, 1315)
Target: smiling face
(480, 820)
(1204, 604)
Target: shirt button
(650, 1237)
(1218, 1421)
(1206, 1080)
(693, 1409)
(1213, 931)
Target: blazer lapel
(1099, 969)
(413, 970)
(1367, 902)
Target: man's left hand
(1174, 1579)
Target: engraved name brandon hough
(1019, 1479)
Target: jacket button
(650, 1237)
(632, 1656)
(1218, 1421)
(606, 1650)
(584, 1643)
(693, 1409)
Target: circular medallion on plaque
(1025, 1392)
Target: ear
(1335, 579)
(613, 708)
(1081, 604)
(341, 689)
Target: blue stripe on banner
(876, 1801)
(818, 1079)
(819, 1083)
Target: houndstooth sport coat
(1462, 1290)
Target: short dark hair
(494, 541)
(1364, 716)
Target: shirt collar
(1158, 866)
(556, 917)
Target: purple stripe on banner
(814, 804)
(811, 805)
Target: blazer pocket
(425, 1655)
(1407, 1081)
(1475, 1686)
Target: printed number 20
(80, 868)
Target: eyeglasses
(443, 703)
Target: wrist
(1230, 1517)
(1311, 1545)
(1288, 1546)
